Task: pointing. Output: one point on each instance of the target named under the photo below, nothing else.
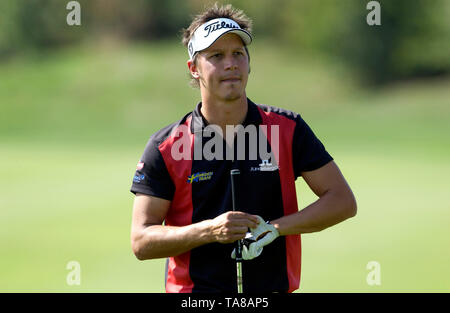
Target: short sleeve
(308, 152)
(151, 176)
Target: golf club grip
(235, 175)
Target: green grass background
(74, 123)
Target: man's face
(223, 68)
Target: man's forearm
(158, 241)
(330, 209)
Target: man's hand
(231, 226)
(261, 236)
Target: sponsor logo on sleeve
(138, 178)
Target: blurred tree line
(413, 38)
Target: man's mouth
(231, 79)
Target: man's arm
(336, 203)
(150, 239)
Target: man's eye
(217, 55)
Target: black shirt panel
(260, 194)
(308, 151)
(152, 177)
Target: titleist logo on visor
(206, 34)
(216, 26)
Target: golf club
(235, 175)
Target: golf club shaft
(239, 275)
(235, 174)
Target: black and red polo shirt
(200, 188)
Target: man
(178, 182)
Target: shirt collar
(199, 122)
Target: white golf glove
(258, 237)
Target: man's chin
(232, 97)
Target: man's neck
(224, 113)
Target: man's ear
(193, 69)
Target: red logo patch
(140, 165)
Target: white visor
(205, 35)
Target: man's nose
(230, 63)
